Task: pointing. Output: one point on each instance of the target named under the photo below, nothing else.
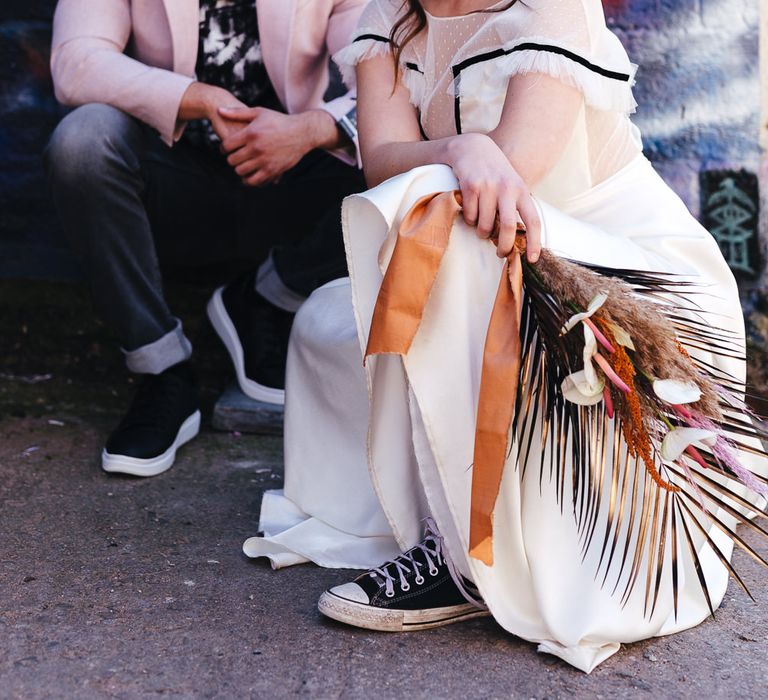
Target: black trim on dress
(372, 37)
(528, 46)
(385, 40)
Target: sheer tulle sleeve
(568, 40)
(371, 39)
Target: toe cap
(351, 591)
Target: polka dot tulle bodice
(458, 69)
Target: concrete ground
(114, 587)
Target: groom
(201, 135)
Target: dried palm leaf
(645, 514)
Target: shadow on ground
(126, 588)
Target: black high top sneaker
(418, 590)
(255, 333)
(163, 416)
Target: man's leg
(310, 251)
(300, 219)
(94, 168)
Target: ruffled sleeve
(371, 39)
(570, 41)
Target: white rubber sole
(225, 329)
(384, 620)
(120, 464)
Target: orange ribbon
(419, 249)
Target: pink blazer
(139, 55)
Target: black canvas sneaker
(417, 590)
(163, 416)
(256, 334)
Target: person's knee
(87, 143)
(326, 319)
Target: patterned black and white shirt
(229, 56)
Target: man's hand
(269, 143)
(202, 101)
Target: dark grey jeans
(127, 203)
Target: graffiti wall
(698, 86)
(30, 243)
(698, 89)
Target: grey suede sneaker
(255, 334)
(163, 416)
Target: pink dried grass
(657, 348)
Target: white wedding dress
(370, 452)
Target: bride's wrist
(453, 149)
(457, 147)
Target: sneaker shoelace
(434, 558)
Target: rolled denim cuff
(156, 357)
(274, 290)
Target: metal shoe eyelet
(419, 580)
(405, 588)
(390, 594)
(434, 572)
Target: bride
(523, 107)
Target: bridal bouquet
(609, 354)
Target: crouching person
(201, 135)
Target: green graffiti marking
(732, 212)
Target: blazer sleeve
(88, 64)
(341, 26)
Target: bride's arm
(536, 124)
(388, 126)
(495, 170)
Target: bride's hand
(490, 186)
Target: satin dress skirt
(370, 451)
